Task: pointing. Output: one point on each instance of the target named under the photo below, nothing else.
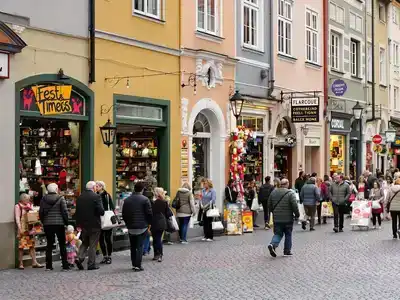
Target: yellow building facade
(137, 87)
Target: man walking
(137, 215)
(89, 209)
(300, 181)
(263, 195)
(309, 196)
(339, 195)
(282, 204)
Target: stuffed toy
(72, 244)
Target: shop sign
(310, 141)
(340, 124)
(290, 140)
(52, 99)
(305, 110)
(377, 139)
(4, 65)
(339, 87)
(128, 111)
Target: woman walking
(207, 201)
(54, 216)
(185, 210)
(25, 236)
(393, 207)
(362, 189)
(161, 212)
(105, 240)
(377, 196)
(251, 196)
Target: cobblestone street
(351, 265)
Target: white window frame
(382, 7)
(395, 97)
(312, 30)
(368, 6)
(258, 7)
(369, 62)
(382, 66)
(337, 9)
(217, 17)
(145, 9)
(337, 66)
(356, 18)
(355, 58)
(395, 53)
(395, 15)
(285, 18)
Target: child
(72, 243)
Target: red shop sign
(377, 139)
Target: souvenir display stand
(361, 214)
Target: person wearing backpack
(185, 209)
(283, 205)
(53, 214)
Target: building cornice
(205, 54)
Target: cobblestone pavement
(349, 265)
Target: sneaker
(169, 243)
(380, 227)
(203, 239)
(374, 227)
(138, 269)
(267, 227)
(184, 242)
(49, 269)
(256, 226)
(288, 253)
(340, 230)
(395, 237)
(160, 259)
(335, 229)
(109, 261)
(79, 264)
(304, 225)
(272, 251)
(209, 240)
(92, 268)
(156, 257)
(312, 229)
(104, 261)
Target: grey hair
(24, 196)
(102, 184)
(186, 186)
(313, 180)
(52, 188)
(90, 185)
(284, 182)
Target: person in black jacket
(137, 215)
(230, 193)
(161, 212)
(105, 241)
(263, 195)
(89, 209)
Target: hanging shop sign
(4, 65)
(340, 124)
(52, 99)
(305, 110)
(339, 87)
(396, 142)
(290, 140)
(377, 139)
(312, 142)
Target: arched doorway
(207, 138)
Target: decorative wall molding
(215, 76)
(184, 116)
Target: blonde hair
(319, 181)
(397, 181)
(159, 193)
(361, 179)
(209, 182)
(101, 184)
(186, 186)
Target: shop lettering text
(53, 100)
(305, 110)
(337, 124)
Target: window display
(253, 160)
(337, 154)
(199, 161)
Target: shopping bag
(271, 220)
(217, 225)
(172, 224)
(109, 220)
(326, 210)
(302, 212)
(213, 213)
(376, 204)
(255, 206)
(191, 222)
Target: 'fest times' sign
(52, 100)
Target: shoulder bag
(279, 201)
(176, 202)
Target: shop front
(340, 128)
(53, 139)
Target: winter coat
(394, 199)
(286, 209)
(107, 201)
(309, 194)
(137, 212)
(339, 193)
(89, 209)
(298, 184)
(230, 194)
(265, 191)
(53, 210)
(185, 201)
(377, 195)
(161, 212)
(325, 186)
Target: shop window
(252, 123)
(337, 150)
(253, 160)
(200, 150)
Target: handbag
(217, 225)
(255, 206)
(213, 212)
(176, 203)
(109, 220)
(376, 204)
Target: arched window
(201, 124)
(283, 128)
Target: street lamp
(108, 133)
(390, 134)
(357, 111)
(236, 103)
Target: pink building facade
(298, 75)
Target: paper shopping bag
(302, 212)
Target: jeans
(106, 242)
(310, 211)
(157, 242)
(319, 212)
(146, 243)
(266, 212)
(376, 216)
(183, 227)
(51, 231)
(395, 220)
(338, 215)
(281, 229)
(136, 241)
(90, 240)
(207, 226)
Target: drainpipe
(92, 54)
(373, 61)
(325, 70)
(271, 50)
